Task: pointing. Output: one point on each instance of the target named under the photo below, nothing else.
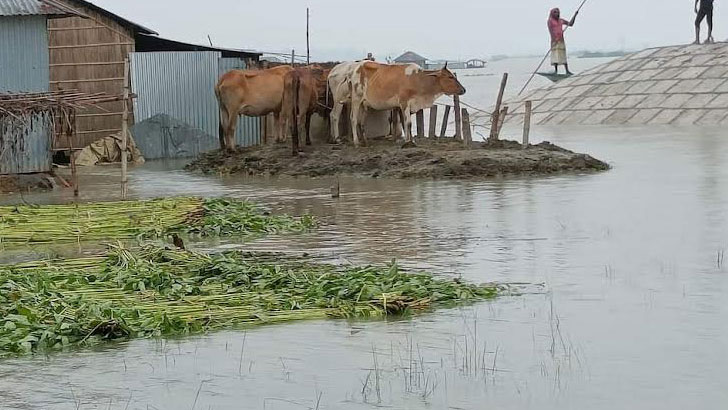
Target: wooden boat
(555, 77)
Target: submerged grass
(153, 291)
(34, 224)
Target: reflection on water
(634, 316)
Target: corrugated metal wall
(182, 86)
(248, 132)
(24, 68)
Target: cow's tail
(224, 117)
(295, 93)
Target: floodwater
(632, 312)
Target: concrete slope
(681, 85)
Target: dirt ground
(27, 182)
(430, 159)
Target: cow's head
(447, 81)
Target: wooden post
(125, 131)
(71, 136)
(495, 128)
(264, 129)
(527, 123)
(458, 119)
(420, 116)
(308, 44)
(433, 122)
(501, 120)
(445, 119)
(467, 132)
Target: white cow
(340, 86)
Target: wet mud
(27, 183)
(438, 159)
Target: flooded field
(632, 314)
(624, 304)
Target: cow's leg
(396, 123)
(308, 128)
(334, 119)
(356, 115)
(232, 125)
(279, 121)
(407, 123)
(294, 123)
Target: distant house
(411, 57)
(438, 64)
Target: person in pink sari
(558, 45)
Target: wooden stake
(495, 128)
(125, 132)
(445, 119)
(501, 121)
(527, 123)
(467, 132)
(293, 57)
(458, 119)
(71, 137)
(308, 44)
(420, 116)
(433, 122)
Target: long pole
(308, 44)
(125, 131)
(547, 54)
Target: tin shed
(24, 67)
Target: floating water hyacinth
(37, 224)
(154, 291)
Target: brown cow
(305, 93)
(405, 86)
(253, 93)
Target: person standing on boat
(704, 11)
(558, 45)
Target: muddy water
(633, 315)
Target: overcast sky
(346, 29)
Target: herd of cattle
(293, 95)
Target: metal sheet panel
(24, 68)
(24, 54)
(26, 149)
(182, 86)
(29, 8)
(248, 131)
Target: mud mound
(439, 159)
(26, 182)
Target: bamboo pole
(308, 44)
(501, 121)
(458, 119)
(433, 122)
(527, 123)
(495, 128)
(467, 132)
(445, 119)
(71, 136)
(125, 132)
(293, 57)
